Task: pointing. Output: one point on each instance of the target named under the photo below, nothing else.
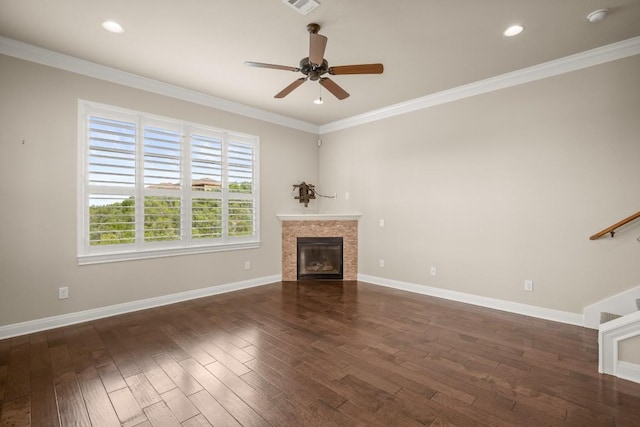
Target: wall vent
(302, 6)
(607, 317)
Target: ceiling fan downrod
(313, 28)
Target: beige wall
(491, 190)
(38, 105)
(629, 350)
(501, 187)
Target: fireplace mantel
(319, 217)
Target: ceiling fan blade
(317, 44)
(357, 69)
(287, 90)
(333, 87)
(275, 67)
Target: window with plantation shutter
(111, 167)
(154, 186)
(162, 182)
(206, 184)
(240, 159)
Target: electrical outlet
(382, 223)
(63, 293)
(381, 263)
(434, 271)
(347, 196)
(247, 265)
(528, 285)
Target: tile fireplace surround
(319, 225)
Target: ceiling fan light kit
(314, 67)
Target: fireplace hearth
(319, 258)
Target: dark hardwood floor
(312, 354)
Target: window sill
(161, 253)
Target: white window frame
(90, 254)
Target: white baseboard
(628, 371)
(37, 325)
(498, 304)
(46, 323)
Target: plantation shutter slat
(162, 158)
(206, 160)
(111, 163)
(111, 219)
(111, 152)
(240, 164)
(241, 217)
(206, 186)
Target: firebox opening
(320, 258)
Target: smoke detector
(597, 15)
(302, 6)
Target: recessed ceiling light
(513, 30)
(113, 26)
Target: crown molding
(589, 58)
(50, 58)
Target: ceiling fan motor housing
(314, 71)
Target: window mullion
(139, 198)
(187, 196)
(83, 185)
(225, 187)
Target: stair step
(607, 317)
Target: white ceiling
(426, 46)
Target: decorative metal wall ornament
(306, 192)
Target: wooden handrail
(612, 229)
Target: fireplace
(319, 225)
(319, 258)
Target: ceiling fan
(314, 67)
